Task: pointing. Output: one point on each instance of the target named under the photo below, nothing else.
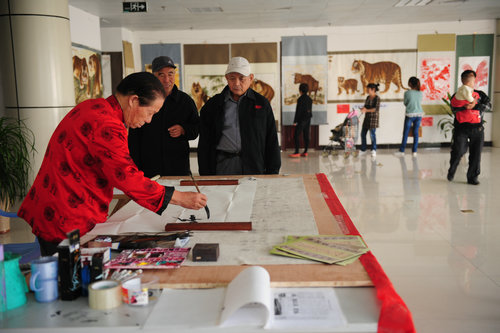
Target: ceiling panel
(244, 14)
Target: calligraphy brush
(198, 189)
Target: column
(495, 128)
(36, 66)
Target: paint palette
(153, 258)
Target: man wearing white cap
(237, 128)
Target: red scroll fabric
(394, 314)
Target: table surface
(356, 297)
(297, 275)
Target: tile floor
(439, 242)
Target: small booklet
(329, 249)
(250, 301)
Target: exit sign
(135, 7)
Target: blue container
(43, 279)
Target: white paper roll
(104, 295)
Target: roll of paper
(105, 295)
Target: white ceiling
(247, 14)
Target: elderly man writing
(237, 128)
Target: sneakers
(399, 154)
(304, 154)
(361, 152)
(294, 155)
(414, 154)
(374, 153)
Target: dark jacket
(260, 152)
(303, 111)
(483, 105)
(152, 148)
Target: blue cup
(43, 279)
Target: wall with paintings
(395, 44)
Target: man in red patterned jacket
(87, 156)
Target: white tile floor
(438, 242)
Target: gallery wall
(376, 37)
(382, 37)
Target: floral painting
(481, 65)
(435, 77)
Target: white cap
(238, 65)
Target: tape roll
(105, 295)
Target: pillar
(495, 132)
(36, 66)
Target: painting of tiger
(95, 71)
(263, 88)
(199, 95)
(81, 71)
(311, 82)
(349, 84)
(386, 72)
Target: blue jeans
(372, 137)
(408, 123)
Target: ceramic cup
(43, 279)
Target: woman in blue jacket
(413, 117)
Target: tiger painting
(349, 84)
(264, 89)
(81, 71)
(95, 72)
(386, 72)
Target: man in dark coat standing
(302, 120)
(162, 147)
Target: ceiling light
(196, 10)
(401, 3)
(412, 3)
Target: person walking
(468, 131)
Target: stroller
(344, 136)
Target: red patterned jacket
(86, 157)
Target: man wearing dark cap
(237, 128)
(161, 147)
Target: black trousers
(302, 127)
(467, 137)
(47, 248)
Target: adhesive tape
(105, 295)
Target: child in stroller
(344, 135)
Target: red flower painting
(435, 75)
(481, 65)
